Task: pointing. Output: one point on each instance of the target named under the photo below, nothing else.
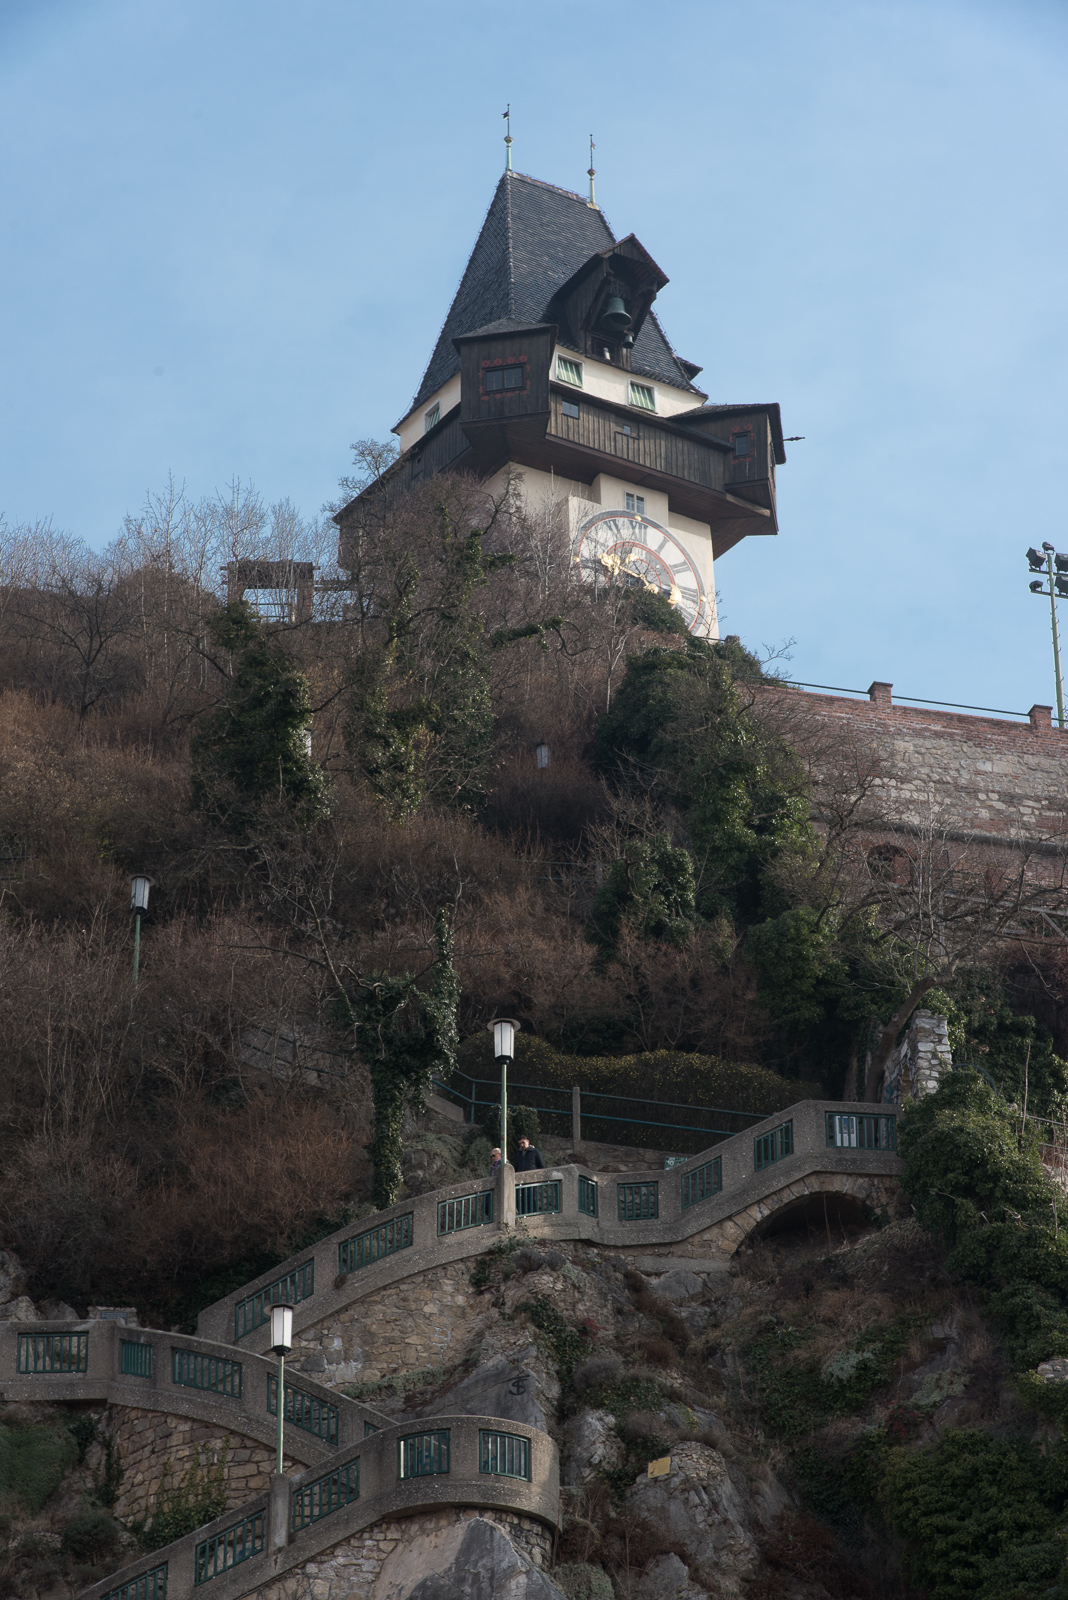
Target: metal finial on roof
(592, 171)
(507, 115)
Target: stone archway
(855, 1194)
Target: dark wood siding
(652, 446)
(533, 351)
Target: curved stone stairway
(351, 1470)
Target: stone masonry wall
(353, 1569)
(151, 1445)
(1001, 778)
(919, 1061)
(427, 1320)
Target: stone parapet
(636, 1210)
(359, 1535)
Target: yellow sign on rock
(660, 1468)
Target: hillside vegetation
(357, 860)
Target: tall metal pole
(281, 1406)
(504, 1109)
(137, 936)
(1056, 640)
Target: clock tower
(553, 369)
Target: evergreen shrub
(704, 1083)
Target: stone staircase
(369, 1300)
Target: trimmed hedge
(703, 1084)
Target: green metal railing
(304, 1411)
(504, 1455)
(213, 1373)
(587, 1196)
(135, 1358)
(483, 1095)
(53, 1352)
(296, 1286)
(702, 1182)
(151, 1585)
(638, 1202)
(229, 1548)
(537, 1199)
(863, 1131)
(422, 1455)
(363, 1248)
(327, 1494)
(771, 1147)
(467, 1211)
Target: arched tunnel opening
(829, 1218)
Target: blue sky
(232, 231)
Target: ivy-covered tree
(250, 756)
(679, 728)
(650, 887)
(407, 1035)
(420, 719)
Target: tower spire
(507, 115)
(592, 173)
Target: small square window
(742, 446)
(642, 396)
(568, 408)
(636, 502)
(432, 417)
(569, 371)
(497, 378)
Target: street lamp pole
(1044, 561)
(503, 1030)
(281, 1345)
(139, 887)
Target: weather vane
(592, 174)
(507, 115)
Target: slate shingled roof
(534, 238)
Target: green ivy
(796, 1396)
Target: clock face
(624, 547)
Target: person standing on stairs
(527, 1158)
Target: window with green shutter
(569, 371)
(642, 396)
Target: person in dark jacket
(527, 1159)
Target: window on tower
(432, 417)
(635, 502)
(569, 371)
(568, 408)
(497, 378)
(642, 396)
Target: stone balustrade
(637, 1210)
(181, 1376)
(401, 1471)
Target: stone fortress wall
(988, 777)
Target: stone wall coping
(742, 1185)
(247, 1415)
(382, 1494)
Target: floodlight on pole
(503, 1030)
(281, 1345)
(1058, 586)
(139, 887)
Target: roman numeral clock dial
(625, 547)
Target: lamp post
(1044, 561)
(139, 887)
(281, 1345)
(503, 1030)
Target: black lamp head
(1036, 588)
(1037, 561)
